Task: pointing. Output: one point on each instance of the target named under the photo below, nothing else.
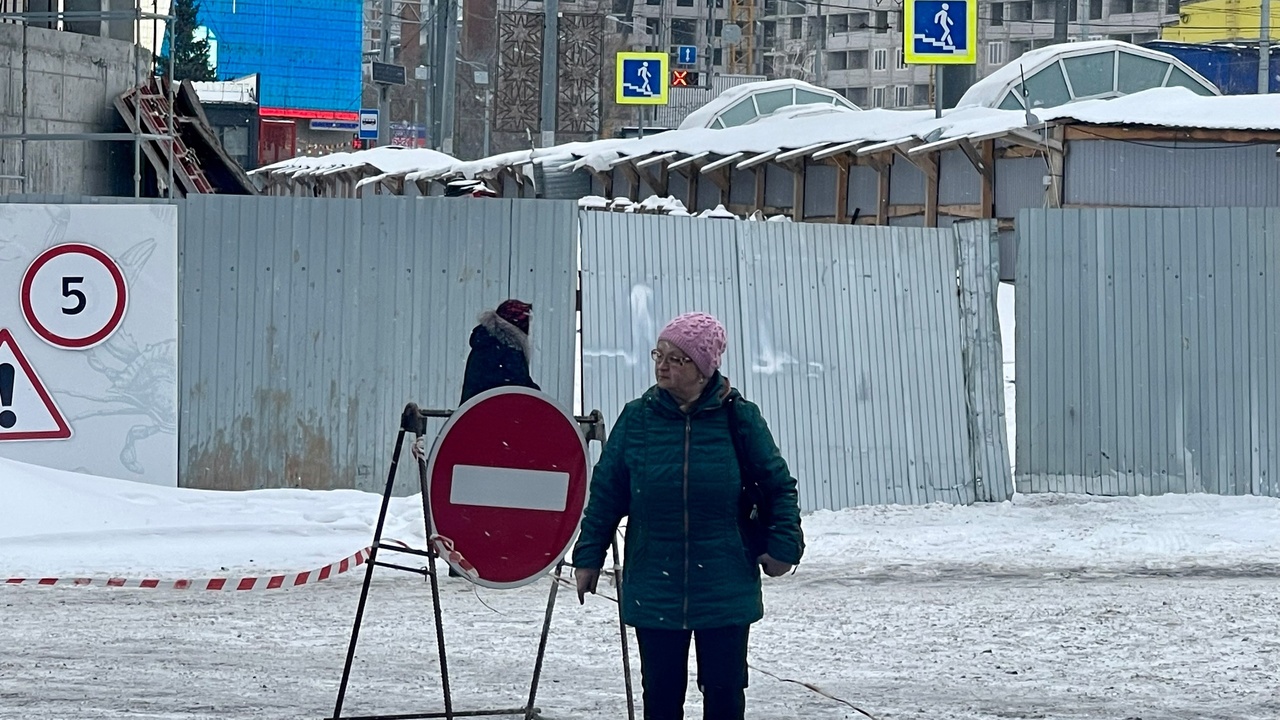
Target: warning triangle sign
(27, 412)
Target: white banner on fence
(89, 339)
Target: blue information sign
(642, 79)
(941, 32)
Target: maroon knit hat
(517, 313)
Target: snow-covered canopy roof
(815, 132)
(380, 162)
(877, 130)
(1061, 74)
(749, 102)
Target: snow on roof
(705, 115)
(990, 90)
(1175, 107)
(804, 130)
(518, 158)
(242, 90)
(390, 160)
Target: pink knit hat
(700, 336)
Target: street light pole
(384, 91)
(449, 91)
(488, 107)
(1264, 49)
(550, 49)
(481, 76)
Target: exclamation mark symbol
(7, 417)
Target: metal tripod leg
(530, 712)
(435, 592)
(368, 575)
(622, 627)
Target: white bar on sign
(509, 488)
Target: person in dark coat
(672, 467)
(500, 350)
(499, 356)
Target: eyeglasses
(671, 360)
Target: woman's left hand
(773, 568)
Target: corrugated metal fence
(852, 339)
(1148, 351)
(307, 324)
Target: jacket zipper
(688, 430)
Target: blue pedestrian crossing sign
(940, 32)
(686, 54)
(641, 79)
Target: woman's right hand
(587, 579)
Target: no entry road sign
(507, 483)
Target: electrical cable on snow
(808, 686)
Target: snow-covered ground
(1047, 606)
(55, 523)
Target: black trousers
(722, 671)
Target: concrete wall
(71, 82)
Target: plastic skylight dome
(745, 104)
(1061, 74)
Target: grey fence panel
(849, 338)
(1148, 357)
(308, 324)
(1168, 174)
(638, 272)
(979, 279)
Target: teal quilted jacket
(676, 477)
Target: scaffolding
(742, 54)
(161, 127)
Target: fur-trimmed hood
(505, 333)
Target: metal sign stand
(413, 420)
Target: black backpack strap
(750, 483)
(735, 434)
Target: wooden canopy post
(882, 164)
(929, 165)
(842, 163)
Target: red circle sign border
(122, 296)
(431, 467)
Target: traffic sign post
(940, 32)
(503, 491)
(642, 79)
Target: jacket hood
(504, 332)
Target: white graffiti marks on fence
(643, 330)
(770, 360)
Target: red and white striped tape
(271, 582)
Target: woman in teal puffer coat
(672, 467)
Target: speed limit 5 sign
(74, 296)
